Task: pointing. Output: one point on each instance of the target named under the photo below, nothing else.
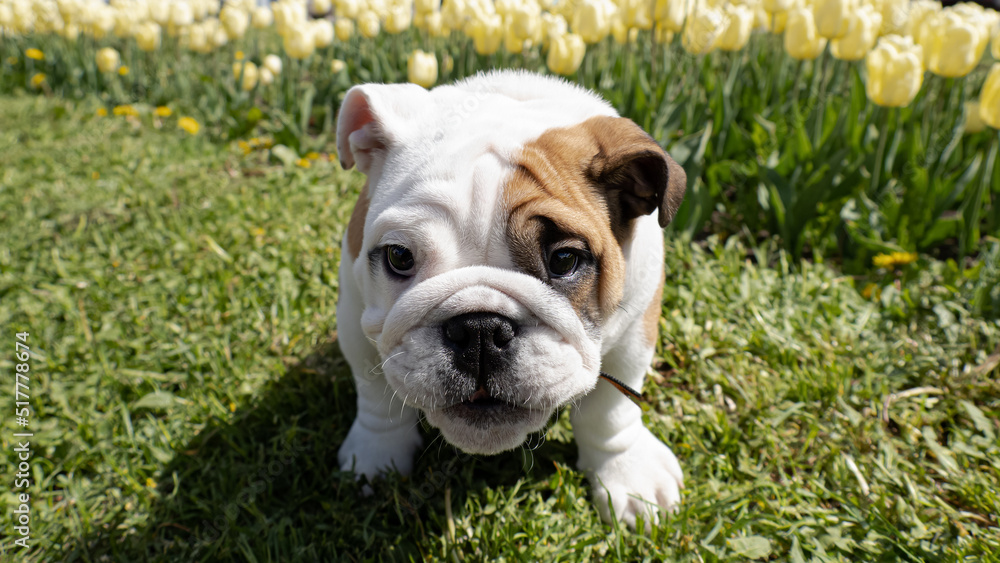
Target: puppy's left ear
(637, 173)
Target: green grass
(189, 398)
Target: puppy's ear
(637, 173)
(374, 117)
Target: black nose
(479, 341)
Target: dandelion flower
(891, 260)
(123, 70)
(34, 54)
(102, 112)
(303, 163)
(163, 111)
(37, 79)
(189, 124)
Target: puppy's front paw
(642, 479)
(370, 453)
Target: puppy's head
(487, 243)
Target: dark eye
(400, 259)
(563, 262)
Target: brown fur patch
(587, 183)
(356, 226)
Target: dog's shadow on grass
(267, 481)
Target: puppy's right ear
(374, 117)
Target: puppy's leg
(623, 459)
(385, 434)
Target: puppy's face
(488, 249)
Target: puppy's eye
(563, 262)
(400, 259)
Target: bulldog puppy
(506, 248)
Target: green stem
(883, 138)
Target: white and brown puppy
(504, 251)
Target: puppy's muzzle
(481, 344)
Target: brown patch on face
(587, 183)
(651, 318)
(356, 225)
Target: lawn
(188, 396)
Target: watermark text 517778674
(22, 448)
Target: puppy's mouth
(482, 409)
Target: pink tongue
(479, 394)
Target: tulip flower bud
(108, 60)
(234, 21)
(704, 25)
(246, 72)
(950, 44)
(973, 120)
(832, 17)
(802, 41)
(343, 28)
(266, 77)
(347, 8)
(321, 7)
(368, 24)
(592, 20)
(553, 25)
(895, 17)
(865, 23)
(738, 22)
(181, 14)
(486, 33)
(775, 6)
(299, 42)
(147, 36)
(262, 18)
(566, 54)
(895, 71)
(398, 19)
(422, 68)
(322, 32)
(337, 66)
(989, 98)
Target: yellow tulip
(565, 54)
(337, 66)
(638, 14)
(486, 34)
(989, 98)
(737, 22)
(662, 35)
(343, 28)
(261, 18)
(321, 7)
(832, 17)
(347, 8)
(246, 72)
(147, 36)
(921, 11)
(299, 42)
(273, 63)
(671, 14)
(704, 25)
(322, 32)
(368, 24)
(592, 20)
(234, 21)
(180, 13)
(802, 41)
(511, 42)
(950, 44)
(895, 71)
(995, 45)
(865, 23)
(399, 19)
(108, 60)
(266, 77)
(422, 68)
(434, 24)
(553, 25)
(895, 17)
(426, 6)
(776, 6)
(526, 22)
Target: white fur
(436, 163)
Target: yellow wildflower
(102, 112)
(150, 483)
(37, 79)
(239, 55)
(303, 162)
(122, 70)
(871, 290)
(12, 61)
(312, 155)
(95, 175)
(125, 110)
(34, 54)
(163, 111)
(245, 147)
(232, 407)
(889, 261)
(189, 124)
